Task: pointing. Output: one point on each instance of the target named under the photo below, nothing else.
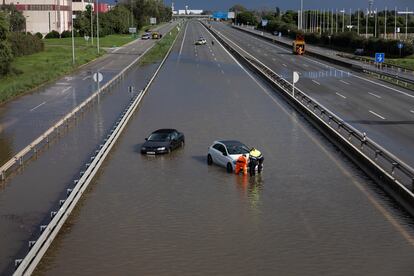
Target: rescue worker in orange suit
(241, 164)
(255, 158)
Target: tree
(246, 17)
(238, 8)
(16, 19)
(6, 56)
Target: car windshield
(159, 137)
(237, 149)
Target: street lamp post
(90, 5)
(385, 24)
(395, 23)
(97, 24)
(366, 24)
(358, 23)
(73, 40)
(343, 20)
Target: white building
(80, 5)
(183, 12)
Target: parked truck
(299, 45)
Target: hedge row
(24, 44)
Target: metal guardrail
(396, 170)
(39, 247)
(355, 67)
(53, 131)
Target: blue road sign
(220, 15)
(400, 45)
(379, 57)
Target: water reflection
(251, 187)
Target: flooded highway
(311, 212)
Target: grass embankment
(54, 62)
(407, 62)
(158, 52)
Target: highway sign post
(295, 80)
(379, 59)
(98, 77)
(400, 45)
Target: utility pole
(358, 23)
(336, 19)
(301, 14)
(366, 24)
(385, 24)
(406, 23)
(97, 24)
(375, 20)
(90, 5)
(343, 20)
(395, 23)
(73, 38)
(350, 19)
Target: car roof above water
(230, 142)
(165, 130)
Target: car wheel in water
(209, 160)
(229, 168)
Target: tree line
(15, 41)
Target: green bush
(53, 34)
(25, 44)
(65, 34)
(6, 55)
(39, 35)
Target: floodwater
(311, 212)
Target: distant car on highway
(163, 141)
(225, 153)
(146, 36)
(201, 41)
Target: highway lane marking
(284, 65)
(222, 71)
(376, 114)
(344, 82)
(316, 82)
(340, 95)
(361, 78)
(360, 186)
(218, 64)
(375, 95)
(412, 111)
(215, 59)
(87, 77)
(273, 59)
(305, 65)
(182, 43)
(66, 89)
(212, 54)
(36, 107)
(63, 83)
(266, 55)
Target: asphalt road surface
(27, 198)
(384, 112)
(311, 211)
(334, 54)
(26, 118)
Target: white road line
(66, 89)
(215, 59)
(273, 59)
(305, 65)
(87, 77)
(375, 95)
(265, 55)
(284, 65)
(316, 82)
(36, 107)
(218, 64)
(63, 83)
(344, 82)
(361, 78)
(340, 95)
(376, 114)
(412, 111)
(182, 43)
(212, 54)
(222, 71)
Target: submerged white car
(225, 153)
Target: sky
(215, 5)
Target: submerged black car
(163, 141)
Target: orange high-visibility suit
(241, 164)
